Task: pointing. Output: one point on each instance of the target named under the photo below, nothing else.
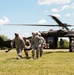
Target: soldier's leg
(26, 53)
(33, 53)
(41, 51)
(73, 49)
(19, 53)
(37, 52)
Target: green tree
(3, 37)
(66, 44)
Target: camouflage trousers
(33, 51)
(19, 50)
(72, 47)
(40, 49)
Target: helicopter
(52, 36)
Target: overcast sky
(33, 12)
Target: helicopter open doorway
(57, 42)
(63, 42)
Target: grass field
(53, 62)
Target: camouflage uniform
(41, 44)
(27, 46)
(34, 44)
(19, 45)
(61, 42)
(72, 44)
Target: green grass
(53, 62)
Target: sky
(33, 12)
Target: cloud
(65, 7)
(5, 20)
(27, 34)
(55, 10)
(48, 2)
(73, 5)
(68, 15)
(17, 31)
(57, 15)
(22, 34)
(46, 11)
(42, 21)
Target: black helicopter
(52, 36)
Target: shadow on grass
(47, 53)
(26, 58)
(61, 52)
(10, 58)
(19, 59)
(55, 51)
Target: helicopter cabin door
(52, 41)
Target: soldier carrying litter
(34, 44)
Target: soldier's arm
(32, 42)
(29, 42)
(22, 42)
(8, 50)
(44, 41)
(12, 43)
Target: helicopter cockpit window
(50, 40)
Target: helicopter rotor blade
(59, 22)
(31, 25)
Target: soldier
(41, 44)
(72, 44)
(27, 46)
(61, 42)
(19, 45)
(34, 44)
